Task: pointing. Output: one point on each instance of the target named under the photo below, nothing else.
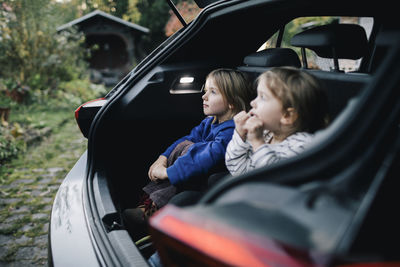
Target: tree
(188, 9)
(154, 15)
(31, 51)
(132, 13)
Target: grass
(39, 116)
(59, 150)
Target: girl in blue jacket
(190, 159)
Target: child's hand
(240, 120)
(154, 168)
(255, 130)
(159, 173)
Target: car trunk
(147, 113)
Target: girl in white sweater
(290, 106)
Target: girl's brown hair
(300, 90)
(235, 88)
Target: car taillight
(86, 112)
(372, 264)
(184, 240)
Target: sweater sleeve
(240, 158)
(238, 155)
(268, 154)
(200, 158)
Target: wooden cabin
(116, 42)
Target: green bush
(32, 53)
(68, 94)
(49, 108)
(10, 142)
(81, 90)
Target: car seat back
(336, 41)
(258, 62)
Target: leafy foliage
(10, 142)
(49, 109)
(188, 9)
(154, 15)
(132, 13)
(77, 92)
(32, 53)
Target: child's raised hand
(255, 130)
(240, 120)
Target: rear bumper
(70, 243)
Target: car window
(303, 23)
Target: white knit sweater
(240, 158)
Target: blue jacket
(210, 142)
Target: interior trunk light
(185, 85)
(186, 79)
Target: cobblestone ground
(27, 189)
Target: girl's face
(214, 103)
(267, 108)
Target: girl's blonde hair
(235, 88)
(300, 90)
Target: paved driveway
(27, 189)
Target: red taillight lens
(86, 112)
(372, 264)
(219, 247)
(200, 242)
(99, 101)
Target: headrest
(348, 40)
(273, 57)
